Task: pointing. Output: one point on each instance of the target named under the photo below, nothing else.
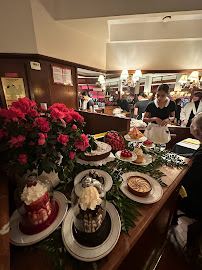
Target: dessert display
(36, 202)
(139, 153)
(95, 175)
(115, 140)
(101, 152)
(135, 134)
(35, 205)
(139, 186)
(147, 143)
(89, 207)
(126, 154)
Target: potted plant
(39, 139)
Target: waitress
(158, 114)
(89, 101)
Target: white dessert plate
(147, 159)
(128, 138)
(90, 254)
(148, 147)
(107, 178)
(155, 194)
(118, 155)
(18, 238)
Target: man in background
(140, 105)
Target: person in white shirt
(191, 109)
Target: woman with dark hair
(191, 109)
(90, 103)
(158, 114)
(141, 105)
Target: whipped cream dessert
(33, 193)
(89, 198)
(37, 203)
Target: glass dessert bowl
(35, 204)
(89, 211)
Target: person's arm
(148, 119)
(135, 111)
(90, 108)
(183, 116)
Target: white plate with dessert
(134, 135)
(126, 155)
(18, 238)
(141, 187)
(142, 159)
(99, 175)
(90, 254)
(148, 144)
(128, 138)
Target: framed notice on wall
(13, 89)
(62, 76)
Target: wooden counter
(109, 109)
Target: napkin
(193, 142)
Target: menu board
(13, 89)
(62, 76)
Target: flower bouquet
(39, 139)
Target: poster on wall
(62, 76)
(13, 89)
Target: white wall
(159, 55)
(60, 41)
(16, 27)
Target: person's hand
(185, 122)
(158, 121)
(164, 122)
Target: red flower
(43, 109)
(17, 141)
(33, 113)
(82, 144)
(74, 127)
(63, 139)
(3, 113)
(68, 117)
(24, 104)
(59, 106)
(76, 116)
(72, 155)
(22, 158)
(3, 133)
(42, 138)
(44, 125)
(56, 114)
(14, 113)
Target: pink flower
(74, 127)
(63, 139)
(3, 133)
(3, 113)
(14, 113)
(33, 113)
(68, 118)
(17, 141)
(56, 114)
(24, 104)
(43, 109)
(76, 116)
(44, 125)
(72, 155)
(59, 106)
(22, 158)
(82, 144)
(42, 138)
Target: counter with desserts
(118, 169)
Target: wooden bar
(98, 123)
(109, 109)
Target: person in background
(192, 181)
(178, 103)
(116, 100)
(159, 113)
(124, 103)
(191, 109)
(141, 105)
(90, 103)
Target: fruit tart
(139, 186)
(115, 140)
(147, 143)
(126, 154)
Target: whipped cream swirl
(89, 198)
(33, 193)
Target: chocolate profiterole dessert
(91, 224)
